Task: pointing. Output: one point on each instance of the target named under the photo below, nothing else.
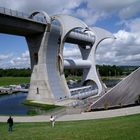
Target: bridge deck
(19, 23)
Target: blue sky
(122, 18)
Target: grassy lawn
(5, 81)
(119, 128)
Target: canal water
(12, 104)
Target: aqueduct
(48, 82)
(46, 39)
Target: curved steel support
(40, 89)
(46, 17)
(48, 81)
(92, 73)
(68, 24)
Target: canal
(12, 104)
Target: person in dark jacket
(10, 124)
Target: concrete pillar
(39, 87)
(46, 83)
(88, 53)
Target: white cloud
(133, 25)
(110, 4)
(4, 57)
(22, 61)
(71, 51)
(125, 50)
(4, 60)
(90, 11)
(130, 10)
(126, 8)
(90, 16)
(51, 7)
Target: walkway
(82, 116)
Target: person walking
(10, 124)
(52, 120)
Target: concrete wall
(124, 93)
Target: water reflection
(12, 104)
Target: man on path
(52, 120)
(10, 124)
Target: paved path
(101, 114)
(82, 116)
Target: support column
(68, 24)
(39, 87)
(91, 74)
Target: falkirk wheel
(48, 83)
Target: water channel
(12, 104)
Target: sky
(120, 17)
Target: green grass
(5, 81)
(119, 128)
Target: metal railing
(83, 92)
(40, 19)
(18, 14)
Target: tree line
(108, 70)
(15, 72)
(104, 70)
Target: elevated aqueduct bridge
(46, 37)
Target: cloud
(4, 60)
(123, 51)
(4, 57)
(21, 62)
(88, 10)
(110, 4)
(126, 48)
(90, 16)
(133, 25)
(126, 9)
(71, 51)
(49, 6)
(130, 10)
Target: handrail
(18, 14)
(26, 16)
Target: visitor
(10, 124)
(52, 120)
